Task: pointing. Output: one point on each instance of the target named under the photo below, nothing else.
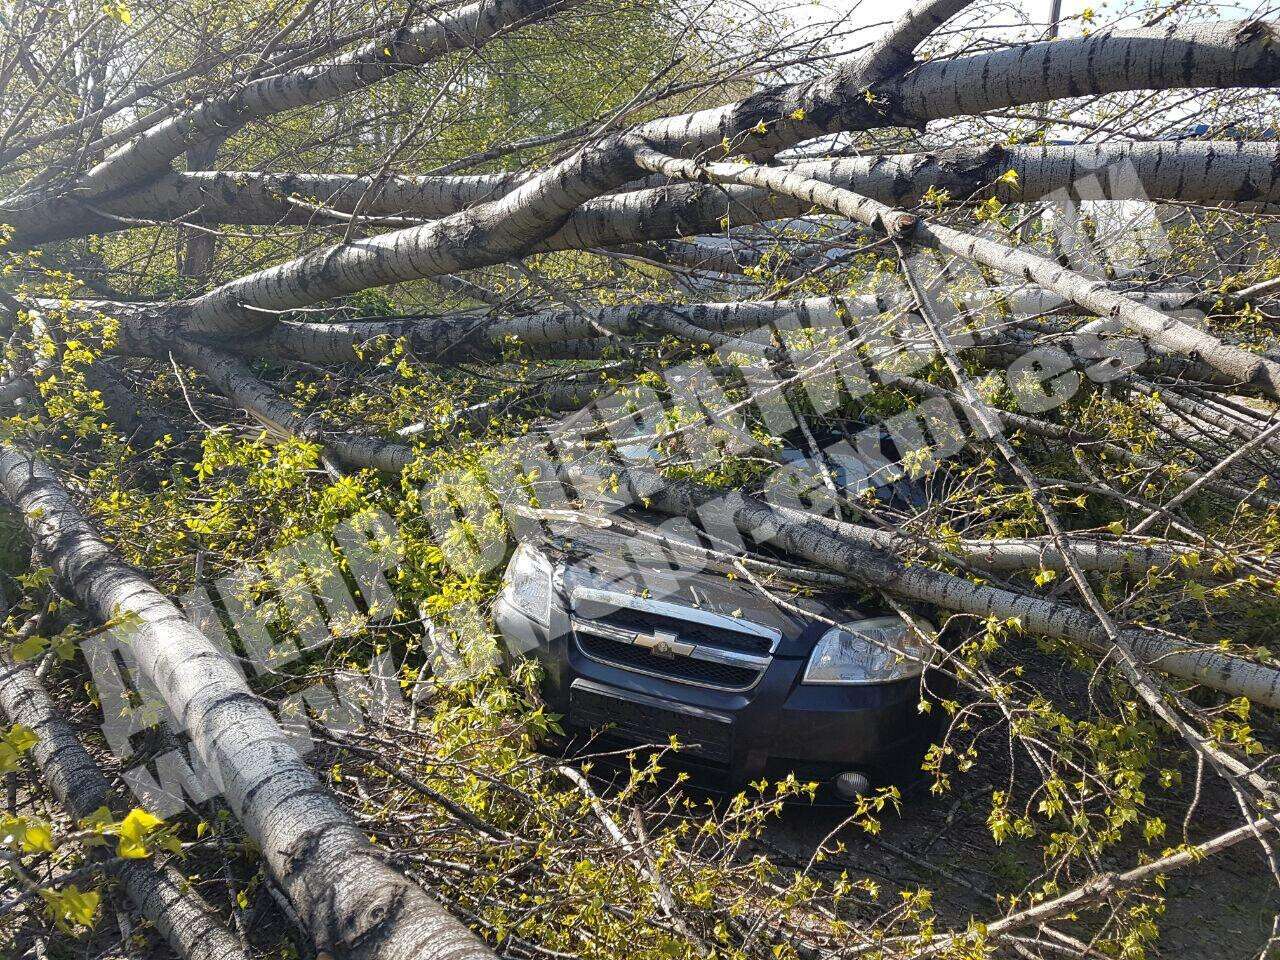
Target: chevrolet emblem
(664, 644)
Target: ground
(1221, 908)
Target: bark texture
(380, 58)
(1094, 295)
(352, 903)
(860, 558)
(160, 893)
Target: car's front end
(753, 686)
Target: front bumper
(779, 726)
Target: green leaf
(99, 820)
(37, 838)
(29, 649)
(97, 825)
(134, 829)
(72, 905)
(64, 645)
(21, 738)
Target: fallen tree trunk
(865, 561)
(487, 234)
(160, 893)
(540, 213)
(1239, 173)
(1092, 295)
(236, 381)
(1013, 554)
(150, 153)
(350, 901)
(446, 338)
(1227, 54)
(1234, 172)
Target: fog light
(851, 785)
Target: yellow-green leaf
(73, 905)
(133, 831)
(29, 649)
(37, 838)
(21, 738)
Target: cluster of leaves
(1094, 776)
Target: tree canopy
(313, 309)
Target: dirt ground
(1222, 908)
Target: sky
(870, 11)
(864, 12)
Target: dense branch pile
(266, 269)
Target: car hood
(594, 558)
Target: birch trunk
(863, 560)
(1223, 55)
(380, 58)
(160, 893)
(1231, 172)
(236, 381)
(1176, 336)
(447, 338)
(1226, 54)
(488, 234)
(350, 901)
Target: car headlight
(529, 589)
(867, 651)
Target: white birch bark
(380, 58)
(488, 234)
(350, 901)
(1232, 172)
(863, 560)
(236, 381)
(161, 894)
(1012, 554)
(892, 53)
(1226, 54)
(525, 220)
(447, 338)
(251, 197)
(1177, 336)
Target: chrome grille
(701, 672)
(675, 642)
(647, 621)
